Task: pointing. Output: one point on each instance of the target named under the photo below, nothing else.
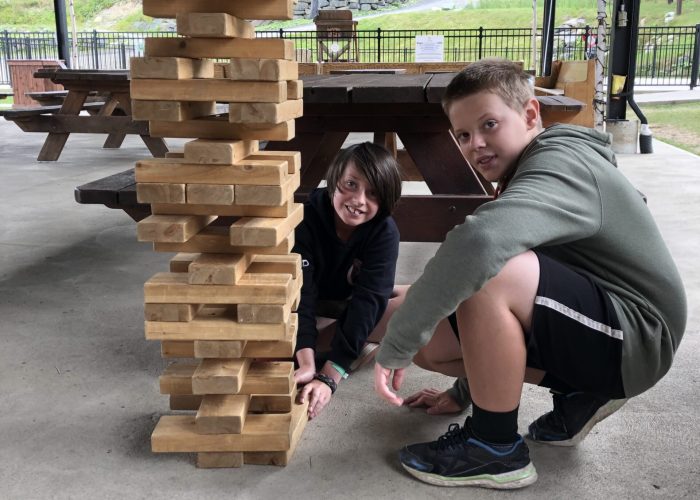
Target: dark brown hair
(502, 77)
(377, 165)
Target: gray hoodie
(568, 201)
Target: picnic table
(111, 115)
(334, 106)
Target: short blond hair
(502, 77)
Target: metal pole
(59, 7)
(601, 50)
(547, 37)
(534, 36)
(696, 58)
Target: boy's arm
(370, 294)
(545, 204)
(306, 311)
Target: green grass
(678, 124)
(38, 14)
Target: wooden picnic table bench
(334, 106)
(111, 114)
(58, 97)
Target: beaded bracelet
(327, 380)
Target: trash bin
(22, 78)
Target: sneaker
(458, 458)
(572, 418)
(367, 354)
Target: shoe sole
(506, 481)
(603, 412)
(368, 353)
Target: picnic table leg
(155, 145)
(451, 173)
(113, 140)
(55, 141)
(317, 151)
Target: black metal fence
(666, 55)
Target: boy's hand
(307, 366)
(381, 379)
(438, 402)
(318, 393)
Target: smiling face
(491, 134)
(354, 201)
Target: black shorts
(575, 335)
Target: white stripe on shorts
(577, 316)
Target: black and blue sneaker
(572, 418)
(458, 458)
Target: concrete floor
(79, 383)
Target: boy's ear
(532, 112)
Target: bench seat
(114, 191)
(14, 113)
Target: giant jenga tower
(227, 210)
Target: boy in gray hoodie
(563, 280)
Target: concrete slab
(78, 381)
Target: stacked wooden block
(227, 210)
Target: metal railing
(666, 55)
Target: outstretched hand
(381, 381)
(437, 402)
(318, 394)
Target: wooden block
(262, 378)
(181, 262)
(217, 240)
(219, 348)
(259, 403)
(270, 196)
(290, 264)
(187, 402)
(216, 152)
(207, 90)
(170, 68)
(266, 432)
(260, 231)
(220, 128)
(217, 48)
(221, 460)
(219, 376)
(267, 313)
(272, 403)
(274, 349)
(218, 269)
(173, 288)
(245, 171)
(214, 323)
(229, 460)
(269, 9)
(293, 159)
(273, 70)
(265, 112)
(171, 111)
(171, 312)
(158, 192)
(295, 89)
(169, 349)
(222, 414)
(176, 379)
(215, 25)
(233, 210)
(171, 228)
(282, 458)
(269, 377)
(210, 194)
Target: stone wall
(303, 7)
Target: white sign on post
(430, 48)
